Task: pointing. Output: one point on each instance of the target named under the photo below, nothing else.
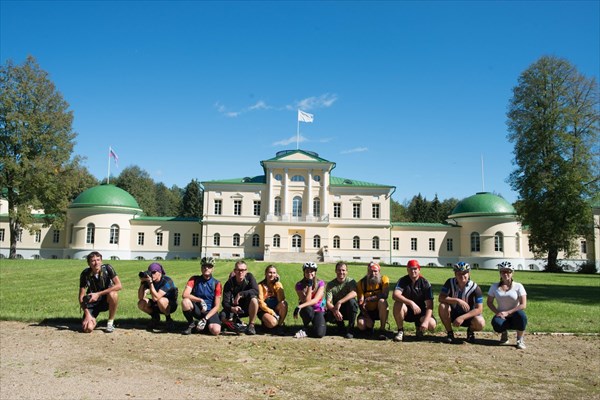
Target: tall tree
(553, 121)
(417, 209)
(140, 185)
(191, 205)
(168, 201)
(37, 170)
(398, 211)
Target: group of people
(343, 302)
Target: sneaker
(300, 334)
(110, 328)
(201, 325)
(521, 344)
(504, 337)
(250, 329)
(169, 325)
(188, 330)
(382, 335)
(420, 334)
(348, 335)
(153, 324)
(470, 336)
(399, 336)
(449, 337)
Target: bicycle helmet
(207, 261)
(309, 265)
(505, 265)
(462, 266)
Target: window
(336, 242)
(356, 242)
(376, 211)
(218, 207)
(71, 233)
(236, 239)
(217, 239)
(90, 234)
(396, 243)
(2, 233)
(376, 243)
(139, 258)
(518, 243)
(255, 240)
(583, 247)
(355, 210)
(317, 241)
(140, 238)
(114, 234)
(276, 241)
(237, 207)
(159, 239)
(195, 239)
(297, 178)
(278, 177)
(317, 207)
(277, 208)
(297, 207)
(475, 244)
(177, 239)
(449, 245)
(296, 242)
(431, 244)
(317, 178)
(413, 244)
(20, 235)
(498, 241)
(55, 236)
(257, 208)
(38, 236)
(337, 210)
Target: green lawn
(37, 290)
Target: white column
(309, 196)
(270, 198)
(325, 193)
(285, 200)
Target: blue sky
(409, 94)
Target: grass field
(38, 290)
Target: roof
(310, 156)
(177, 219)
(105, 196)
(337, 181)
(482, 204)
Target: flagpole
(298, 134)
(108, 176)
(482, 175)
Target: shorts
(271, 302)
(212, 320)
(172, 306)
(97, 307)
(457, 312)
(373, 314)
(197, 311)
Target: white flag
(304, 116)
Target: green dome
(105, 196)
(481, 204)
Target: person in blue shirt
(163, 295)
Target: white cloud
(355, 150)
(260, 105)
(311, 103)
(289, 141)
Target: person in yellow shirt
(272, 307)
(372, 292)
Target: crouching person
(201, 300)
(163, 296)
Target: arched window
(498, 241)
(217, 239)
(276, 241)
(356, 242)
(297, 178)
(475, 243)
(317, 241)
(114, 234)
(90, 236)
(336, 242)
(296, 242)
(255, 240)
(236, 239)
(297, 206)
(317, 207)
(376, 243)
(277, 206)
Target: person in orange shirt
(272, 307)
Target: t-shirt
(320, 305)
(206, 289)
(166, 285)
(419, 292)
(471, 294)
(97, 283)
(509, 299)
(335, 291)
(366, 289)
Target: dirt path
(57, 362)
